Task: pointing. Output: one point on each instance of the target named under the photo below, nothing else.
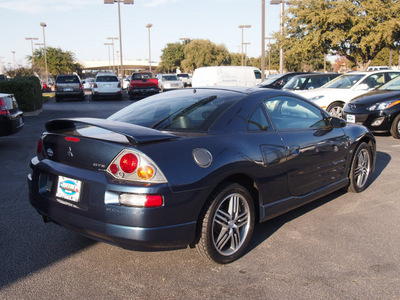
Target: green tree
(58, 61)
(204, 53)
(383, 58)
(171, 58)
(356, 29)
(20, 71)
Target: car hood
(375, 97)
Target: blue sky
(82, 26)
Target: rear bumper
(11, 124)
(148, 91)
(99, 215)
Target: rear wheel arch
(244, 180)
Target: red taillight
(3, 108)
(119, 84)
(80, 86)
(55, 87)
(128, 163)
(72, 139)
(153, 201)
(39, 146)
(95, 85)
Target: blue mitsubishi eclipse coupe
(196, 167)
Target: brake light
(72, 139)
(80, 86)
(133, 165)
(119, 84)
(129, 163)
(55, 87)
(95, 85)
(3, 108)
(39, 146)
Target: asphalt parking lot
(343, 246)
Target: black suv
(69, 86)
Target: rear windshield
(68, 79)
(142, 76)
(183, 75)
(170, 78)
(184, 110)
(106, 79)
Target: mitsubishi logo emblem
(69, 152)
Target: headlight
(383, 105)
(316, 98)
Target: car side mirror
(336, 122)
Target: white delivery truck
(226, 76)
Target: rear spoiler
(134, 133)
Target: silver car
(169, 82)
(68, 86)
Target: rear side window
(257, 74)
(107, 79)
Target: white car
(169, 82)
(336, 93)
(106, 85)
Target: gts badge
(100, 166)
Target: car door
(316, 152)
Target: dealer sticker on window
(68, 189)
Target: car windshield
(170, 78)
(106, 79)
(271, 79)
(184, 110)
(344, 82)
(392, 85)
(68, 79)
(295, 83)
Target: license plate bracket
(68, 189)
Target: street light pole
(109, 59)
(112, 43)
(13, 53)
(148, 26)
(31, 39)
(242, 27)
(282, 4)
(269, 54)
(262, 40)
(45, 54)
(119, 22)
(245, 51)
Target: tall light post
(269, 54)
(31, 39)
(245, 52)
(282, 4)
(112, 43)
(262, 40)
(119, 21)
(148, 26)
(2, 71)
(13, 53)
(109, 58)
(45, 51)
(242, 27)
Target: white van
(226, 76)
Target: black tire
(360, 169)
(395, 128)
(57, 98)
(94, 97)
(227, 224)
(336, 109)
(131, 97)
